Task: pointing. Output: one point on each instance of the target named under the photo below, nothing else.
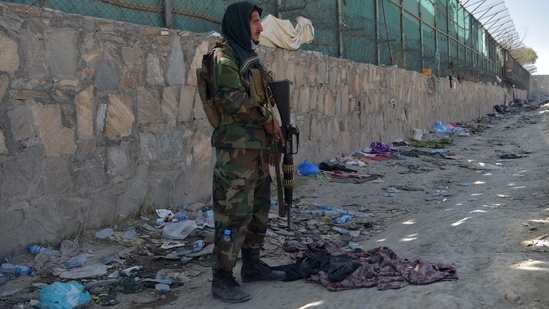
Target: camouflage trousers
(241, 201)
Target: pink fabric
(381, 268)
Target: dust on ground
(482, 207)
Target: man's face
(255, 26)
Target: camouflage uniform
(241, 179)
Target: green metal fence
(439, 35)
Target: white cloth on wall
(282, 34)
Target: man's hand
(273, 129)
(273, 159)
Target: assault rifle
(281, 92)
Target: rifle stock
(281, 93)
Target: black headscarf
(236, 30)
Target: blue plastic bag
(60, 295)
(307, 168)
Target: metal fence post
(168, 13)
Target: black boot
(225, 288)
(254, 269)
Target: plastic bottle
(165, 281)
(76, 261)
(328, 208)
(128, 270)
(158, 280)
(226, 236)
(35, 249)
(16, 269)
(181, 216)
(198, 245)
(320, 213)
(129, 233)
(209, 220)
(332, 209)
(162, 288)
(342, 219)
(346, 231)
(87, 271)
(104, 233)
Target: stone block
(9, 55)
(321, 72)
(175, 72)
(196, 63)
(188, 97)
(34, 59)
(148, 147)
(100, 118)
(344, 95)
(154, 71)
(308, 107)
(56, 138)
(162, 40)
(3, 147)
(27, 94)
(118, 161)
(170, 145)
(136, 191)
(312, 70)
(85, 112)
(68, 116)
(329, 107)
(169, 105)
(334, 77)
(335, 128)
(62, 53)
(202, 148)
(57, 177)
(91, 56)
(4, 84)
(86, 145)
(86, 214)
(48, 220)
(120, 117)
(161, 194)
(300, 75)
(337, 102)
(21, 122)
(131, 77)
(21, 175)
(304, 100)
(89, 172)
(132, 56)
(148, 106)
(107, 77)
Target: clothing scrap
(337, 269)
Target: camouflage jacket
(231, 94)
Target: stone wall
(99, 118)
(539, 86)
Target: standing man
(241, 179)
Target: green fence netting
(439, 35)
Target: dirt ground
(483, 207)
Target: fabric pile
(337, 269)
